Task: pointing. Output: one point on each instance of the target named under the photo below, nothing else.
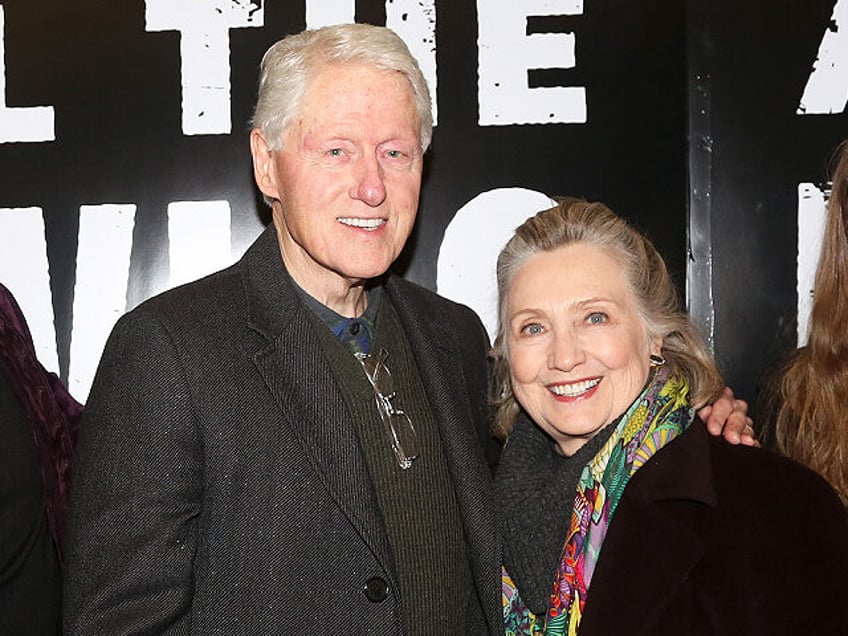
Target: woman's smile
(579, 390)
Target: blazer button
(376, 590)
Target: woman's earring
(656, 360)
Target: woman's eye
(533, 329)
(597, 318)
(335, 152)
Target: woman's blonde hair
(577, 221)
(812, 421)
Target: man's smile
(365, 224)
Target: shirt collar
(356, 333)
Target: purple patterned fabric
(52, 412)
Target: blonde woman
(620, 513)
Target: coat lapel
(440, 363)
(658, 535)
(298, 376)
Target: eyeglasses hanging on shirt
(401, 433)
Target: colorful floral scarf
(657, 416)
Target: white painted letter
(321, 13)
(21, 124)
(827, 88)
(812, 206)
(415, 22)
(24, 271)
(506, 53)
(465, 271)
(204, 27)
(199, 237)
(100, 292)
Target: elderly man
(249, 464)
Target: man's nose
(369, 186)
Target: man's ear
(263, 164)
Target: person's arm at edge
(136, 493)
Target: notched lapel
(440, 363)
(658, 535)
(300, 380)
(643, 562)
(439, 358)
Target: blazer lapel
(657, 536)
(439, 359)
(299, 378)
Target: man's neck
(350, 302)
(345, 296)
